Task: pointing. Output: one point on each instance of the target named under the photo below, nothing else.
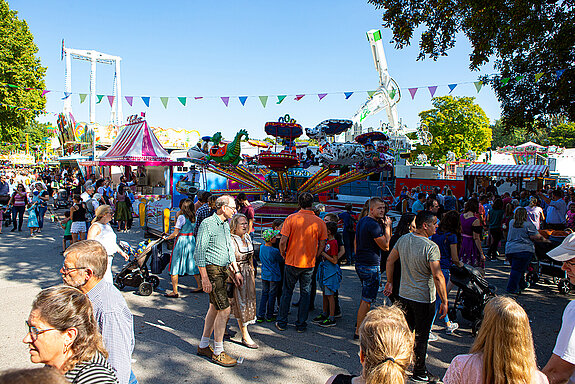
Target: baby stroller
(135, 273)
(6, 215)
(544, 265)
(472, 294)
(62, 199)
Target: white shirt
(565, 344)
(107, 237)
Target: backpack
(90, 212)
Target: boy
(329, 277)
(66, 224)
(270, 259)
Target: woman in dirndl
(471, 230)
(182, 262)
(243, 302)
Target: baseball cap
(565, 251)
(269, 234)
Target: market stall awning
(506, 170)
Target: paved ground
(168, 330)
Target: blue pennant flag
(559, 73)
(452, 87)
(66, 95)
(243, 100)
(146, 101)
(347, 94)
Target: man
(556, 210)
(372, 235)
(244, 207)
(303, 238)
(202, 199)
(561, 366)
(349, 223)
(420, 277)
(85, 264)
(214, 254)
(432, 205)
(205, 211)
(418, 205)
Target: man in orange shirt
(303, 238)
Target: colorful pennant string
(226, 100)
(243, 100)
(348, 95)
(321, 95)
(164, 101)
(82, 97)
(146, 101)
(281, 98)
(129, 100)
(100, 97)
(111, 100)
(263, 100)
(412, 92)
(432, 90)
(298, 97)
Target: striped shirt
(116, 326)
(201, 214)
(95, 371)
(214, 243)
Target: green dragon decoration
(229, 153)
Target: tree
(503, 137)
(457, 124)
(563, 135)
(21, 75)
(525, 37)
(37, 135)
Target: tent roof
(530, 144)
(506, 170)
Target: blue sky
(251, 48)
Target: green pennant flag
(392, 93)
(83, 97)
(478, 85)
(281, 98)
(519, 77)
(164, 101)
(100, 97)
(182, 100)
(538, 76)
(264, 100)
(505, 80)
(370, 93)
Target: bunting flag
(164, 101)
(478, 85)
(321, 95)
(451, 87)
(146, 101)
(198, 97)
(348, 95)
(538, 76)
(559, 73)
(243, 100)
(432, 90)
(412, 92)
(392, 93)
(82, 97)
(225, 99)
(281, 98)
(66, 95)
(298, 97)
(264, 100)
(44, 92)
(370, 94)
(100, 97)
(505, 80)
(182, 100)
(519, 77)
(129, 99)
(111, 100)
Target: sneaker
(271, 319)
(300, 329)
(451, 328)
(425, 377)
(280, 327)
(224, 360)
(433, 336)
(260, 320)
(207, 351)
(319, 319)
(327, 323)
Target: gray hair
(91, 254)
(223, 200)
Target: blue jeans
(438, 300)
(41, 211)
(291, 276)
(348, 238)
(268, 299)
(519, 262)
(370, 278)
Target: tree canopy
(529, 40)
(457, 124)
(19, 69)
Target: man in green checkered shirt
(214, 254)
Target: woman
(78, 215)
(243, 302)
(62, 333)
(182, 261)
(18, 202)
(495, 222)
(506, 324)
(535, 213)
(519, 249)
(122, 208)
(471, 252)
(41, 196)
(450, 201)
(32, 217)
(385, 348)
(102, 231)
(406, 224)
(447, 238)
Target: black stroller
(62, 199)
(136, 273)
(472, 294)
(544, 265)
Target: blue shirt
(444, 241)
(556, 212)
(271, 259)
(368, 252)
(417, 206)
(347, 221)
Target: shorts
(67, 237)
(327, 292)
(218, 277)
(78, 226)
(370, 279)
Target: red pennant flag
(44, 92)
(226, 100)
(412, 92)
(129, 100)
(298, 97)
(321, 95)
(111, 100)
(199, 97)
(432, 90)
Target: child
(329, 277)
(32, 220)
(270, 259)
(571, 216)
(66, 224)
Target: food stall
(523, 176)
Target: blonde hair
(520, 217)
(506, 343)
(101, 211)
(234, 222)
(387, 346)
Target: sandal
(197, 290)
(172, 295)
(250, 346)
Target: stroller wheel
(145, 289)
(155, 281)
(475, 327)
(119, 283)
(532, 278)
(564, 286)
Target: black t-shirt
(368, 252)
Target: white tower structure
(94, 57)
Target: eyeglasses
(34, 332)
(66, 269)
(230, 207)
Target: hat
(565, 251)
(269, 234)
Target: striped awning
(506, 170)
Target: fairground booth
(530, 177)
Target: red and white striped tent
(506, 170)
